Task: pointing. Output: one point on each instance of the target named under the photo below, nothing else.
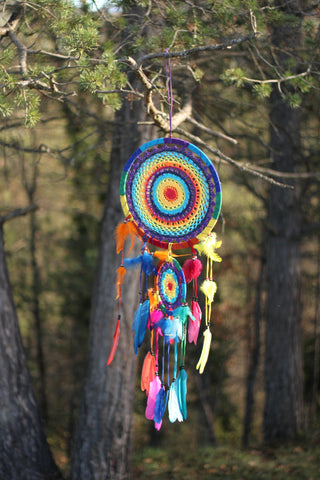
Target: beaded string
(169, 87)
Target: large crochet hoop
(171, 191)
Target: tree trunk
(254, 359)
(103, 439)
(24, 452)
(284, 407)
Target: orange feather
(123, 230)
(121, 272)
(115, 342)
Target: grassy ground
(297, 462)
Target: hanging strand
(169, 88)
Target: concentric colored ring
(171, 284)
(171, 191)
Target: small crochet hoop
(172, 193)
(171, 284)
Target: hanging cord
(169, 88)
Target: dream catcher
(171, 198)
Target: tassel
(153, 299)
(182, 391)
(155, 386)
(192, 269)
(140, 321)
(123, 230)
(209, 288)
(194, 325)
(121, 272)
(173, 404)
(162, 255)
(205, 350)
(115, 341)
(148, 372)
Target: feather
(173, 404)
(205, 350)
(140, 321)
(209, 288)
(132, 262)
(147, 263)
(170, 328)
(192, 269)
(182, 313)
(155, 317)
(194, 325)
(121, 272)
(155, 386)
(182, 391)
(208, 246)
(115, 342)
(123, 230)
(160, 405)
(148, 372)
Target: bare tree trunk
(254, 360)
(103, 439)
(316, 348)
(24, 452)
(284, 406)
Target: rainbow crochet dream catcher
(171, 197)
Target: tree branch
(18, 212)
(193, 51)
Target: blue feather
(161, 404)
(132, 262)
(140, 322)
(182, 391)
(147, 264)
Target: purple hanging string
(169, 87)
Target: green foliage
(6, 107)
(297, 462)
(30, 102)
(262, 90)
(104, 77)
(235, 76)
(82, 38)
(293, 99)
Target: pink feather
(155, 386)
(194, 325)
(192, 269)
(155, 316)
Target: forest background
(82, 86)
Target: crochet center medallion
(171, 191)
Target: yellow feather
(208, 246)
(207, 335)
(209, 288)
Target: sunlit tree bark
(24, 452)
